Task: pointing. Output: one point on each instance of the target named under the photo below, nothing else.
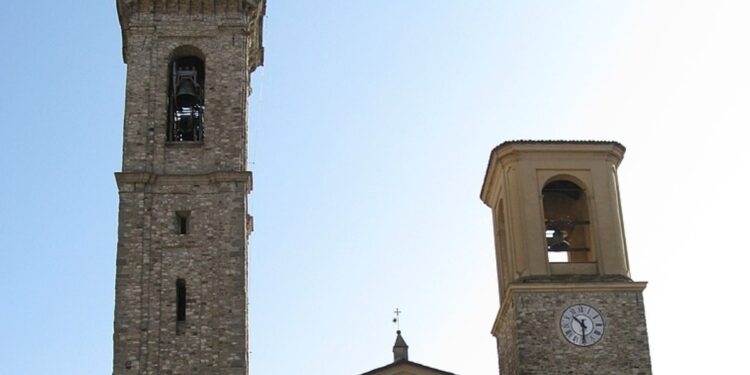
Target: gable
(407, 368)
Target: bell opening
(567, 225)
(186, 100)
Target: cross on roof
(397, 319)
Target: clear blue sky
(370, 128)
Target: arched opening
(504, 273)
(566, 219)
(186, 99)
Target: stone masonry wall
(542, 348)
(208, 179)
(211, 258)
(507, 343)
(226, 89)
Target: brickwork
(507, 350)
(531, 326)
(208, 179)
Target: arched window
(185, 113)
(566, 218)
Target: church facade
(401, 364)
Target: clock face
(582, 325)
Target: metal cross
(397, 319)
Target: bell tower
(181, 301)
(567, 303)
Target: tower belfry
(567, 303)
(181, 302)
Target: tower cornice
(155, 14)
(136, 181)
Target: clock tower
(567, 302)
(181, 301)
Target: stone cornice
(132, 178)
(133, 181)
(247, 14)
(592, 287)
(126, 8)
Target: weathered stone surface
(530, 340)
(195, 18)
(208, 179)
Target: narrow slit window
(181, 300)
(182, 222)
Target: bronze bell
(558, 242)
(187, 93)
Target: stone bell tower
(181, 301)
(567, 303)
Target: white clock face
(582, 325)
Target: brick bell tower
(567, 303)
(181, 299)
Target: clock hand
(582, 323)
(583, 331)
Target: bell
(558, 242)
(183, 119)
(185, 124)
(187, 95)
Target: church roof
(400, 349)
(406, 363)
(401, 364)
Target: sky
(371, 124)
